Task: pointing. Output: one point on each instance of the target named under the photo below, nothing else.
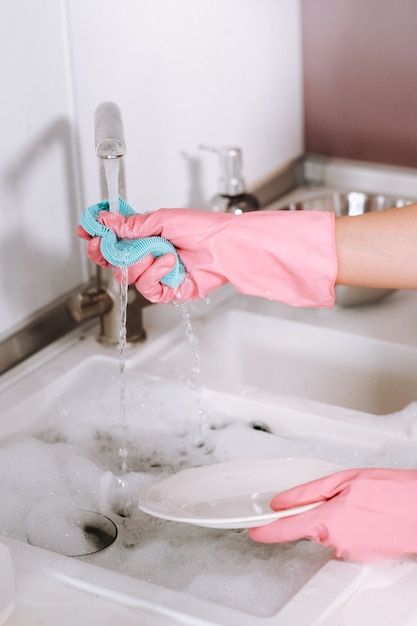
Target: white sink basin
(61, 441)
(300, 360)
(64, 435)
(268, 388)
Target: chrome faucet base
(110, 322)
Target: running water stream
(123, 454)
(111, 169)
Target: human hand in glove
(367, 514)
(288, 256)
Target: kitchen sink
(303, 361)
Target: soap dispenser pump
(232, 196)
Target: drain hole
(260, 426)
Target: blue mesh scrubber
(127, 252)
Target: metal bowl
(351, 203)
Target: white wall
(39, 255)
(182, 71)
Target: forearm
(378, 249)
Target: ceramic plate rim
(173, 481)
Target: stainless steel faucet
(110, 142)
(103, 299)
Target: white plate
(236, 494)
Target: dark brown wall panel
(360, 79)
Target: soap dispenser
(232, 197)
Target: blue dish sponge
(127, 252)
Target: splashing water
(192, 381)
(191, 338)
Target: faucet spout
(110, 142)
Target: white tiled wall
(182, 71)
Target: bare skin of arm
(378, 249)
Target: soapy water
(71, 453)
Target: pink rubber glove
(368, 514)
(281, 255)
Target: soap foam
(72, 451)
